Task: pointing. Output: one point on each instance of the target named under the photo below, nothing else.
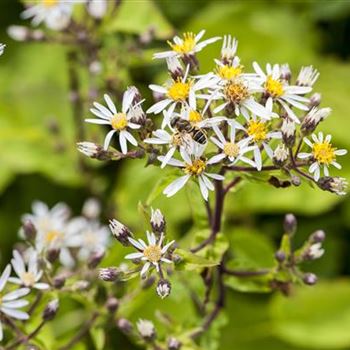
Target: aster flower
(194, 165)
(188, 45)
(11, 302)
(29, 274)
(307, 76)
(152, 254)
(55, 14)
(232, 150)
(2, 48)
(180, 92)
(119, 121)
(278, 90)
(323, 154)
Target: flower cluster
(228, 119)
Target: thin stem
(232, 184)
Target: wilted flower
(157, 221)
(146, 329)
(313, 118)
(307, 76)
(120, 232)
(163, 288)
(337, 185)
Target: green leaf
(191, 262)
(314, 318)
(254, 284)
(99, 338)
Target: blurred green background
(38, 159)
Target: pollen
(194, 116)
(323, 152)
(273, 87)
(28, 279)
(257, 130)
(186, 45)
(179, 91)
(196, 168)
(153, 253)
(231, 149)
(49, 3)
(51, 236)
(236, 92)
(119, 121)
(228, 72)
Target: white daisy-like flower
(181, 92)
(232, 150)
(194, 166)
(55, 14)
(119, 121)
(307, 76)
(12, 301)
(278, 90)
(153, 253)
(2, 48)
(323, 154)
(260, 135)
(29, 274)
(186, 46)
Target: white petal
(4, 277)
(176, 185)
(19, 315)
(203, 188)
(217, 158)
(129, 137)
(134, 256)
(16, 294)
(159, 106)
(127, 100)
(108, 139)
(145, 268)
(168, 156)
(110, 104)
(123, 144)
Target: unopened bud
(95, 259)
(163, 288)
(29, 230)
(50, 310)
(315, 100)
(288, 132)
(318, 236)
(52, 255)
(280, 256)
(295, 180)
(125, 325)
(157, 221)
(120, 232)
(174, 344)
(146, 329)
(290, 224)
(112, 304)
(109, 274)
(310, 279)
(92, 150)
(59, 281)
(286, 73)
(175, 68)
(313, 118)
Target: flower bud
(280, 155)
(50, 310)
(337, 185)
(290, 224)
(313, 118)
(109, 274)
(163, 288)
(112, 304)
(310, 279)
(92, 150)
(157, 221)
(120, 232)
(174, 344)
(52, 255)
(280, 256)
(286, 73)
(59, 281)
(18, 33)
(318, 236)
(95, 259)
(125, 325)
(91, 208)
(97, 8)
(175, 68)
(288, 132)
(29, 230)
(315, 100)
(146, 329)
(296, 181)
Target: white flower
(153, 253)
(91, 208)
(146, 328)
(30, 275)
(307, 76)
(120, 122)
(279, 90)
(11, 302)
(189, 45)
(97, 8)
(55, 13)
(2, 48)
(181, 91)
(194, 166)
(316, 250)
(323, 154)
(234, 151)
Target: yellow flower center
(236, 92)
(187, 45)
(257, 130)
(119, 121)
(28, 279)
(323, 152)
(49, 3)
(194, 116)
(231, 149)
(51, 236)
(179, 91)
(153, 253)
(196, 168)
(273, 87)
(228, 72)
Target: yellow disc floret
(236, 92)
(323, 152)
(231, 149)
(179, 91)
(196, 168)
(273, 87)
(28, 279)
(194, 116)
(228, 72)
(49, 3)
(52, 236)
(119, 121)
(186, 45)
(153, 253)
(257, 130)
